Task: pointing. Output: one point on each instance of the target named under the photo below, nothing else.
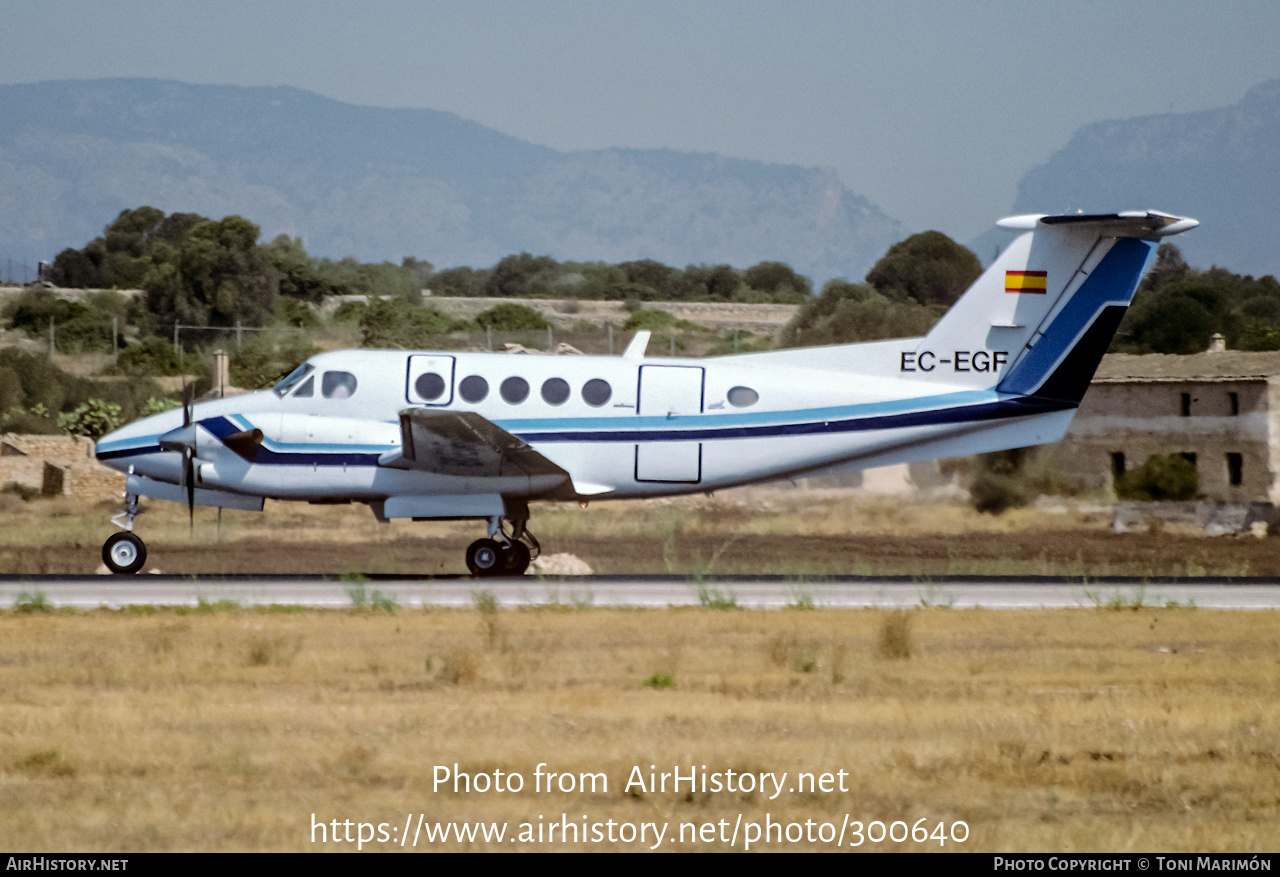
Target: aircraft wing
(463, 443)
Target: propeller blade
(189, 478)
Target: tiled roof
(1224, 365)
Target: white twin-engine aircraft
(432, 436)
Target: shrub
(94, 418)
(150, 356)
(511, 317)
(1162, 478)
(999, 483)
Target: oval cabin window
(429, 386)
(596, 392)
(473, 388)
(555, 391)
(514, 390)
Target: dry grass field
(226, 729)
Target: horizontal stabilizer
(1130, 223)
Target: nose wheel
(124, 553)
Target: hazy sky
(933, 110)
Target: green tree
(928, 268)
(216, 276)
(299, 278)
(846, 313)
(522, 276)
(779, 282)
(459, 282)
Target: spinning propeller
(183, 440)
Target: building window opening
(1235, 469)
(1233, 399)
(1189, 456)
(1117, 464)
(1186, 404)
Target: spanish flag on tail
(1026, 281)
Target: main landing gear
(124, 552)
(502, 553)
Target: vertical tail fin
(1039, 319)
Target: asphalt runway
(773, 592)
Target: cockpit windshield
(291, 380)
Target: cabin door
(672, 393)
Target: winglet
(635, 350)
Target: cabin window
(514, 390)
(596, 392)
(429, 386)
(743, 397)
(338, 385)
(1235, 469)
(474, 388)
(293, 378)
(307, 390)
(555, 391)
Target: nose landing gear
(503, 554)
(125, 553)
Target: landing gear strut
(125, 553)
(502, 553)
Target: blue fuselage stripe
(221, 428)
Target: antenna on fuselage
(635, 350)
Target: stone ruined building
(1220, 409)
(58, 465)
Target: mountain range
(1219, 166)
(381, 184)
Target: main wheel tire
(484, 558)
(515, 557)
(124, 553)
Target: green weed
(31, 603)
(660, 679)
(713, 598)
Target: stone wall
(563, 314)
(58, 465)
